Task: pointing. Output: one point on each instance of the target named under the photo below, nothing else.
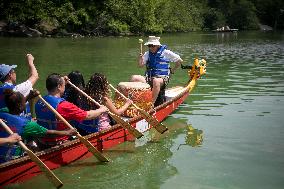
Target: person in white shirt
(157, 61)
(8, 78)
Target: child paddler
(27, 129)
(98, 89)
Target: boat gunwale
(97, 135)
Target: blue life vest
(2, 98)
(45, 117)
(26, 113)
(157, 65)
(17, 125)
(88, 126)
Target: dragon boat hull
(24, 168)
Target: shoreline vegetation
(79, 18)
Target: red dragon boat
(23, 168)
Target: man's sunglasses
(150, 46)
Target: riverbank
(17, 29)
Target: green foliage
(185, 15)
(69, 17)
(148, 16)
(270, 12)
(117, 27)
(243, 16)
(116, 17)
(22, 11)
(214, 19)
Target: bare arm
(11, 139)
(113, 109)
(33, 75)
(140, 60)
(177, 65)
(56, 132)
(92, 114)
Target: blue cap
(5, 69)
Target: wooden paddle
(118, 119)
(151, 120)
(89, 145)
(49, 174)
(141, 45)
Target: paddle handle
(6, 127)
(141, 46)
(123, 95)
(11, 132)
(50, 175)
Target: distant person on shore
(55, 85)
(157, 61)
(8, 78)
(98, 89)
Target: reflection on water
(226, 36)
(194, 137)
(131, 166)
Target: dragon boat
(23, 168)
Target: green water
(238, 106)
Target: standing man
(8, 78)
(157, 61)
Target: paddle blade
(152, 121)
(92, 149)
(49, 174)
(125, 125)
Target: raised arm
(140, 60)
(33, 75)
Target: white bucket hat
(153, 40)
